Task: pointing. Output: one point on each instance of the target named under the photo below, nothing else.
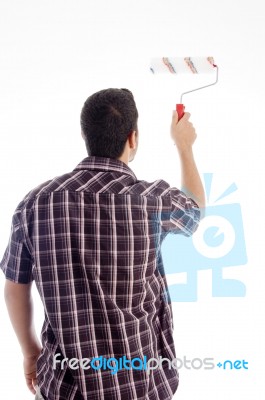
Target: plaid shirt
(91, 241)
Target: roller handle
(180, 110)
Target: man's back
(91, 241)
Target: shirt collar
(105, 164)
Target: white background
(54, 54)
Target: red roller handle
(180, 110)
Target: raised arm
(184, 135)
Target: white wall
(53, 54)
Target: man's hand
(30, 369)
(182, 132)
(20, 308)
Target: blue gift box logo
(218, 243)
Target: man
(91, 241)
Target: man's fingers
(186, 116)
(30, 385)
(175, 117)
(31, 381)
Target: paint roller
(177, 65)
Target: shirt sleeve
(184, 215)
(17, 263)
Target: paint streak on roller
(190, 65)
(211, 61)
(169, 65)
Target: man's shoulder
(73, 181)
(67, 181)
(43, 189)
(158, 187)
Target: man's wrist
(31, 349)
(184, 151)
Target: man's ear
(82, 134)
(132, 140)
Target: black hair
(107, 118)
